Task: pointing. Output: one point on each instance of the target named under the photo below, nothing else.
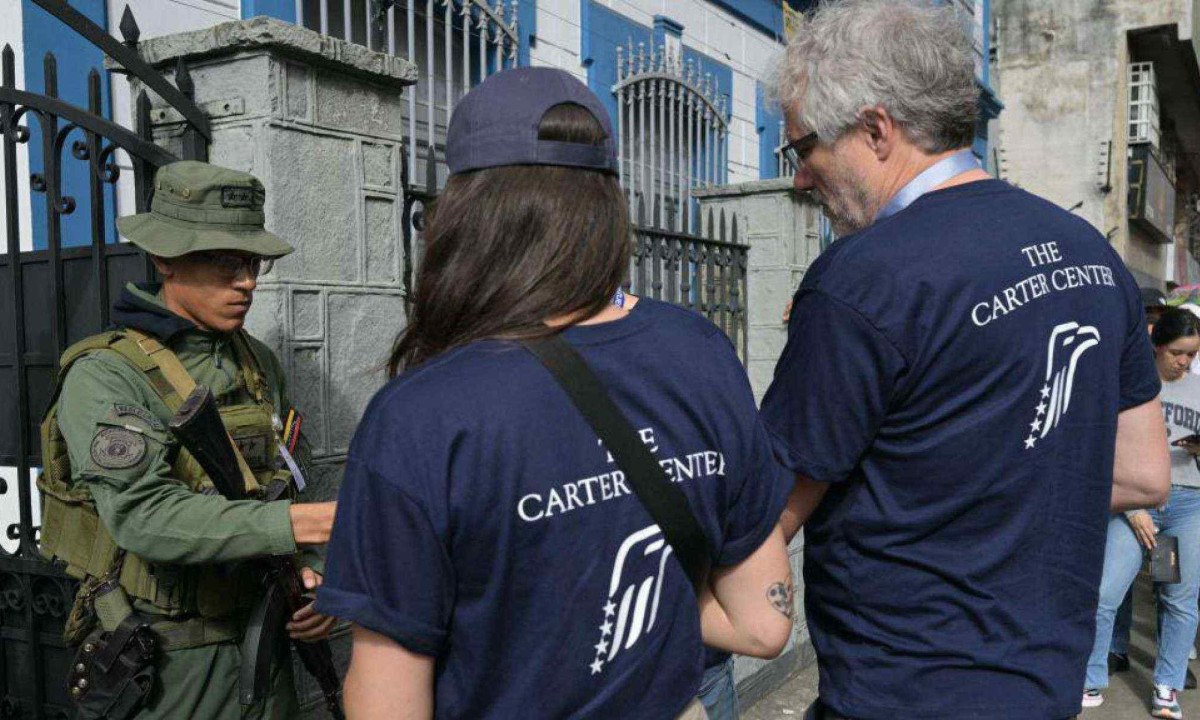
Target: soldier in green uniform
(128, 511)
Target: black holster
(113, 672)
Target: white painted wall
(750, 54)
(11, 34)
(155, 18)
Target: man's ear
(881, 129)
(163, 266)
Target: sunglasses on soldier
(231, 265)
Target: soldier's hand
(306, 624)
(312, 522)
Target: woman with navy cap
(488, 550)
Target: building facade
(1102, 117)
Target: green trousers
(202, 684)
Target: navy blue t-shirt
(481, 522)
(955, 372)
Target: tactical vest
(71, 529)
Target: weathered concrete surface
(1064, 84)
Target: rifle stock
(197, 424)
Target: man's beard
(848, 204)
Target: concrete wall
(1065, 93)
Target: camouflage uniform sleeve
(119, 446)
(308, 556)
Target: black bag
(1164, 560)
(665, 502)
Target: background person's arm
(1141, 463)
(386, 681)
(806, 495)
(747, 608)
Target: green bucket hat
(198, 207)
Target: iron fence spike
(50, 68)
(130, 32)
(430, 170)
(8, 63)
(183, 78)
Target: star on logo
(606, 628)
(1041, 408)
(609, 609)
(1045, 391)
(597, 666)
(1036, 425)
(602, 647)
(1029, 441)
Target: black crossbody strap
(664, 500)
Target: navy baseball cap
(496, 124)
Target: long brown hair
(509, 247)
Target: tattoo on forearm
(780, 595)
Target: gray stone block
(312, 197)
(360, 107)
(263, 319)
(308, 315)
(308, 378)
(362, 329)
(382, 220)
(766, 251)
(234, 147)
(766, 342)
(379, 166)
(296, 105)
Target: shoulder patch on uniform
(141, 413)
(115, 448)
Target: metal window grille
(1143, 104)
(456, 43)
(971, 12)
(782, 166)
(672, 131)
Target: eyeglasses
(230, 266)
(795, 151)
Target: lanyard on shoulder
(934, 175)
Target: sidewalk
(1127, 697)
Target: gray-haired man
(964, 367)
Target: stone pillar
(319, 121)
(782, 231)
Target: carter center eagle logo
(1068, 342)
(634, 589)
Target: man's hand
(312, 522)
(1143, 528)
(306, 624)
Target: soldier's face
(213, 292)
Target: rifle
(198, 426)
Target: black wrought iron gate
(50, 298)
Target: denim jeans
(717, 692)
(1123, 625)
(1177, 602)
